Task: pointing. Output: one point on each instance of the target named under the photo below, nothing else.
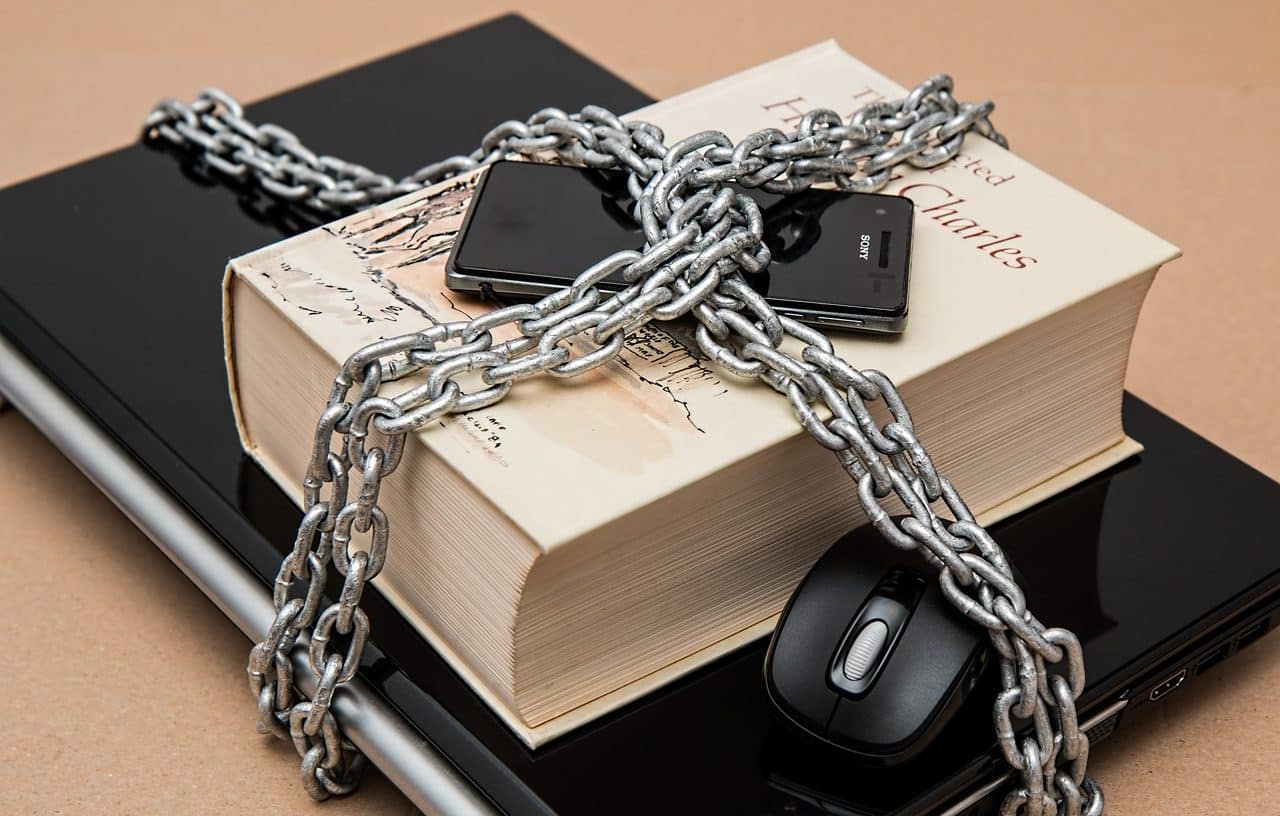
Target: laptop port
(1169, 685)
(1102, 730)
(1252, 633)
(1213, 658)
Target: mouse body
(869, 655)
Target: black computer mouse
(869, 655)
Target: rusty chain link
(702, 239)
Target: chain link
(702, 238)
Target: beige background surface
(122, 688)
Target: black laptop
(1159, 595)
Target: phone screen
(835, 252)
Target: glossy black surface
(547, 223)
(110, 284)
(923, 673)
(118, 261)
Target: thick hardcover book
(579, 544)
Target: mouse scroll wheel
(865, 651)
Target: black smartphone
(840, 260)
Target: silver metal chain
(702, 240)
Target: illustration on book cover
(399, 253)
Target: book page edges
(539, 735)
(229, 359)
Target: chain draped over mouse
(702, 241)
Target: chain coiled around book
(702, 239)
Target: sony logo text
(934, 201)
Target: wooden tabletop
(123, 689)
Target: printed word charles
(940, 204)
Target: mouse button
(822, 607)
(881, 726)
(912, 697)
(933, 652)
(922, 682)
(867, 646)
(808, 634)
(940, 635)
(864, 653)
(904, 585)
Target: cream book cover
(997, 248)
